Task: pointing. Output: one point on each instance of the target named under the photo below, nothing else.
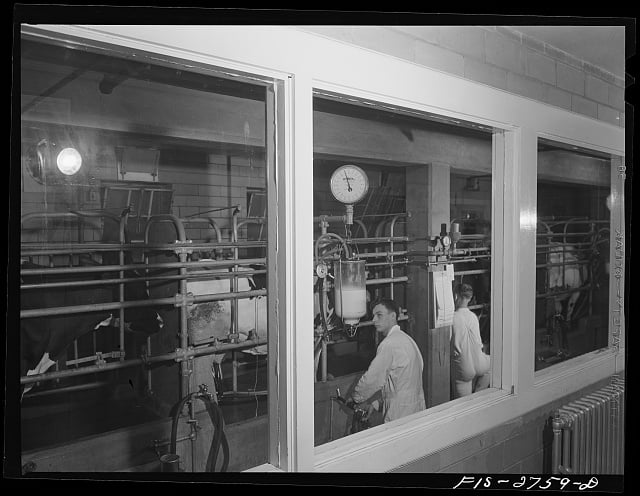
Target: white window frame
(306, 61)
(584, 362)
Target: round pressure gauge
(349, 184)
(446, 241)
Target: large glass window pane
(572, 252)
(143, 261)
(403, 211)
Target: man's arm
(376, 375)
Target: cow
(211, 321)
(44, 340)
(569, 275)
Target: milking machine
(338, 268)
(359, 417)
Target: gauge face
(349, 184)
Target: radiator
(588, 433)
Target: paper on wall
(445, 306)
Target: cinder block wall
(522, 446)
(501, 57)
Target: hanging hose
(323, 315)
(217, 421)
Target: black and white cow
(43, 340)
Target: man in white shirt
(396, 370)
(470, 365)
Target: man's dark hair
(388, 303)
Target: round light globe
(69, 161)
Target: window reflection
(572, 252)
(422, 229)
(143, 258)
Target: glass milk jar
(350, 294)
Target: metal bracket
(183, 247)
(182, 355)
(118, 354)
(184, 300)
(100, 361)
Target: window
(420, 230)
(141, 291)
(573, 249)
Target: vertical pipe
(234, 302)
(123, 220)
(234, 363)
(75, 352)
(393, 223)
(184, 333)
(594, 239)
(148, 351)
(149, 387)
(556, 453)
(609, 434)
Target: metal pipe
(177, 223)
(122, 298)
(246, 393)
(181, 355)
(68, 389)
(72, 214)
(587, 244)
(116, 268)
(339, 218)
(234, 375)
(103, 282)
(96, 307)
(563, 264)
(391, 232)
(556, 455)
(109, 247)
(357, 241)
(552, 294)
(472, 272)
(379, 254)
(386, 280)
(208, 220)
(453, 261)
(564, 235)
(381, 264)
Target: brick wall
(500, 57)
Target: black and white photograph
(272, 243)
